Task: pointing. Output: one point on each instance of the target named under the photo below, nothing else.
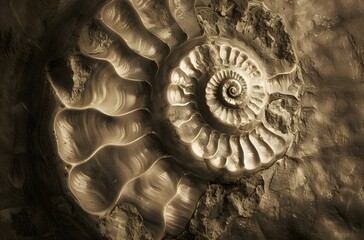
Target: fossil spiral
(157, 106)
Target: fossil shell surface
(157, 106)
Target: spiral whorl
(221, 127)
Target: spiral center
(234, 89)
(229, 87)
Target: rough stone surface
(223, 205)
(315, 192)
(124, 223)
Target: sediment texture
(209, 119)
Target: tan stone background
(316, 192)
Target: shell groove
(148, 80)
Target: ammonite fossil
(153, 104)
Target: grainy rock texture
(316, 191)
(124, 223)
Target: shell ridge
(184, 14)
(126, 28)
(102, 134)
(157, 18)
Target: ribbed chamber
(104, 130)
(226, 126)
